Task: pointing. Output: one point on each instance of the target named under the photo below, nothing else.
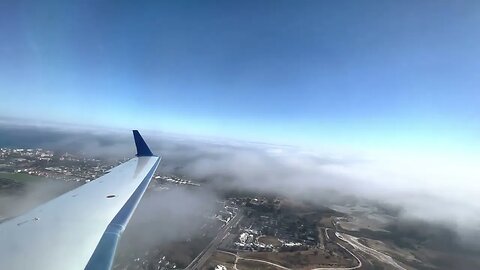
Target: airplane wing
(81, 228)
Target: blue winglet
(142, 147)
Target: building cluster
(249, 240)
(175, 180)
(220, 267)
(266, 219)
(226, 212)
(47, 163)
(13, 155)
(144, 263)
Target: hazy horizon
(314, 100)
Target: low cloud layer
(166, 216)
(431, 188)
(434, 190)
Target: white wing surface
(81, 228)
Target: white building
(220, 267)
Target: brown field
(270, 240)
(249, 265)
(182, 253)
(305, 259)
(326, 222)
(220, 258)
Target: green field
(20, 177)
(14, 182)
(270, 240)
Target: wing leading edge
(81, 228)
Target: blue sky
(349, 73)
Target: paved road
(336, 241)
(202, 258)
(206, 253)
(359, 265)
(237, 258)
(353, 241)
